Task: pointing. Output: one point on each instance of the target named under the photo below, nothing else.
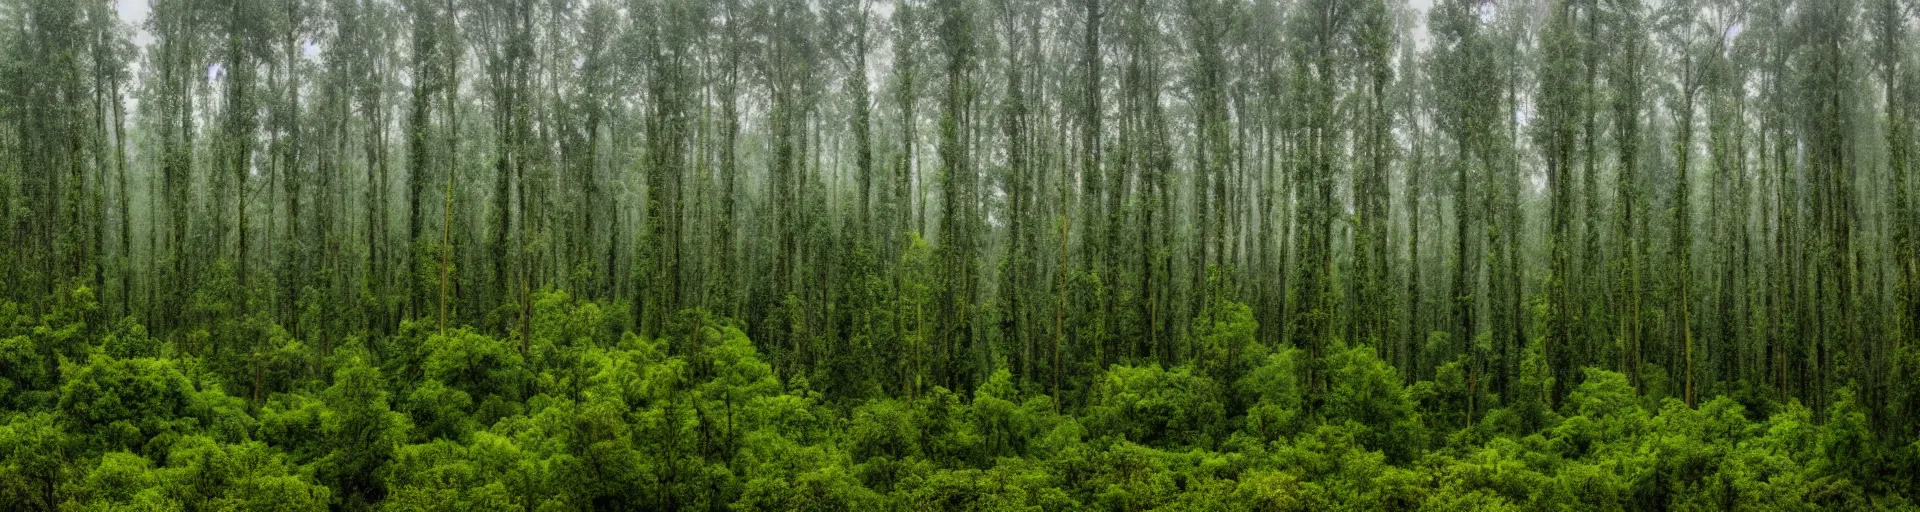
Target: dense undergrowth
(576, 416)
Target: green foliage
(34, 460)
(823, 489)
(1365, 393)
(249, 476)
(1449, 400)
(27, 374)
(1224, 345)
(1006, 424)
(140, 405)
(361, 433)
(1276, 396)
(482, 367)
(200, 474)
(1533, 397)
(1157, 407)
(1846, 456)
(696, 419)
(441, 475)
(883, 441)
(440, 412)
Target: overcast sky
(135, 13)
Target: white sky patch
(135, 12)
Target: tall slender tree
(1559, 113)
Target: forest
(914, 255)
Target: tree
(1626, 80)
(958, 197)
(1827, 128)
(1680, 30)
(1462, 69)
(1559, 112)
(1093, 177)
(432, 81)
(1320, 29)
(1376, 38)
(33, 448)
(668, 126)
(362, 432)
(503, 40)
(1020, 183)
(1212, 153)
(1364, 390)
(1891, 43)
